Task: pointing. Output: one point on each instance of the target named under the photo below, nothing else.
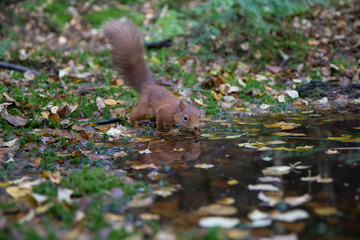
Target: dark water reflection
(200, 187)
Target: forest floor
(73, 168)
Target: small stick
(17, 67)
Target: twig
(159, 44)
(111, 120)
(17, 67)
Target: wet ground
(285, 176)
(318, 189)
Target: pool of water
(321, 156)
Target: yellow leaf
(120, 154)
(226, 201)
(217, 209)
(17, 192)
(329, 151)
(110, 102)
(45, 114)
(204, 165)
(325, 211)
(149, 216)
(155, 60)
(143, 166)
(276, 170)
(232, 182)
(216, 96)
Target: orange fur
(127, 56)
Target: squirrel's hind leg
(140, 111)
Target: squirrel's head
(188, 116)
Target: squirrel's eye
(185, 117)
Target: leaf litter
(67, 143)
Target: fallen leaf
(143, 166)
(146, 151)
(217, 209)
(120, 154)
(325, 211)
(263, 187)
(257, 214)
(221, 222)
(330, 151)
(269, 179)
(267, 158)
(64, 194)
(17, 192)
(204, 165)
(276, 170)
(232, 182)
(140, 201)
(273, 69)
(110, 102)
(39, 198)
(100, 103)
(149, 216)
(226, 201)
(28, 217)
(13, 120)
(291, 216)
(298, 200)
(8, 143)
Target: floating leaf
(275, 142)
(330, 151)
(300, 167)
(269, 179)
(270, 200)
(237, 234)
(291, 216)
(204, 166)
(257, 214)
(234, 136)
(267, 158)
(282, 125)
(298, 200)
(146, 151)
(222, 222)
(263, 187)
(217, 209)
(232, 182)
(276, 170)
(325, 211)
(226, 201)
(289, 134)
(260, 223)
(143, 166)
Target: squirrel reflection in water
(172, 150)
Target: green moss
(46, 188)
(92, 182)
(96, 19)
(61, 213)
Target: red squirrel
(128, 59)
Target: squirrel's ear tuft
(181, 106)
(193, 102)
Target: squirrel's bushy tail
(128, 53)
